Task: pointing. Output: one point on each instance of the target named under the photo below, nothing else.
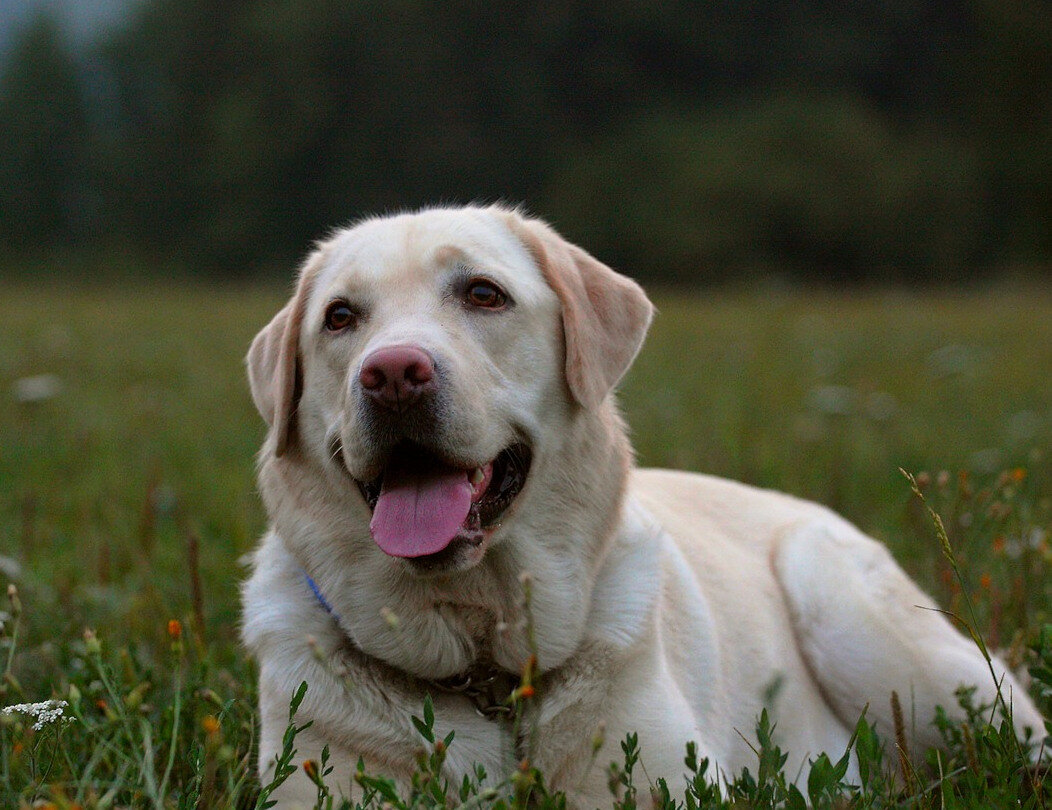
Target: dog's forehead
(417, 248)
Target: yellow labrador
(444, 438)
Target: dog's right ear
(274, 373)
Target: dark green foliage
(814, 186)
(46, 188)
(684, 141)
(1041, 672)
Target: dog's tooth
(477, 477)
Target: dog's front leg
(587, 708)
(357, 712)
(562, 734)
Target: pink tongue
(420, 513)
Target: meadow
(127, 499)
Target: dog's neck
(487, 686)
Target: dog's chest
(477, 622)
(489, 620)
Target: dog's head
(427, 368)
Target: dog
(455, 513)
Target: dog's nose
(397, 376)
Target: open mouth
(422, 505)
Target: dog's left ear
(605, 315)
(273, 361)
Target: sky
(83, 20)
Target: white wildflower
(40, 388)
(952, 361)
(832, 400)
(10, 568)
(45, 713)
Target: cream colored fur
(669, 604)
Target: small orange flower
(16, 749)
(1018, 474)
(985, 581)
(310, 767)
(999, 544)
(175, 629)
(101, 705)
(525, 692)
(210, 724)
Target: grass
(127, 499)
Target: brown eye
(485, 294)
(339, 315)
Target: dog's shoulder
(630, 578)
(280, 611)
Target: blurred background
(889, 140)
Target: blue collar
(321, 599)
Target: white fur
(668, 604)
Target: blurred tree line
(889, 139)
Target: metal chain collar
(487, 687)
